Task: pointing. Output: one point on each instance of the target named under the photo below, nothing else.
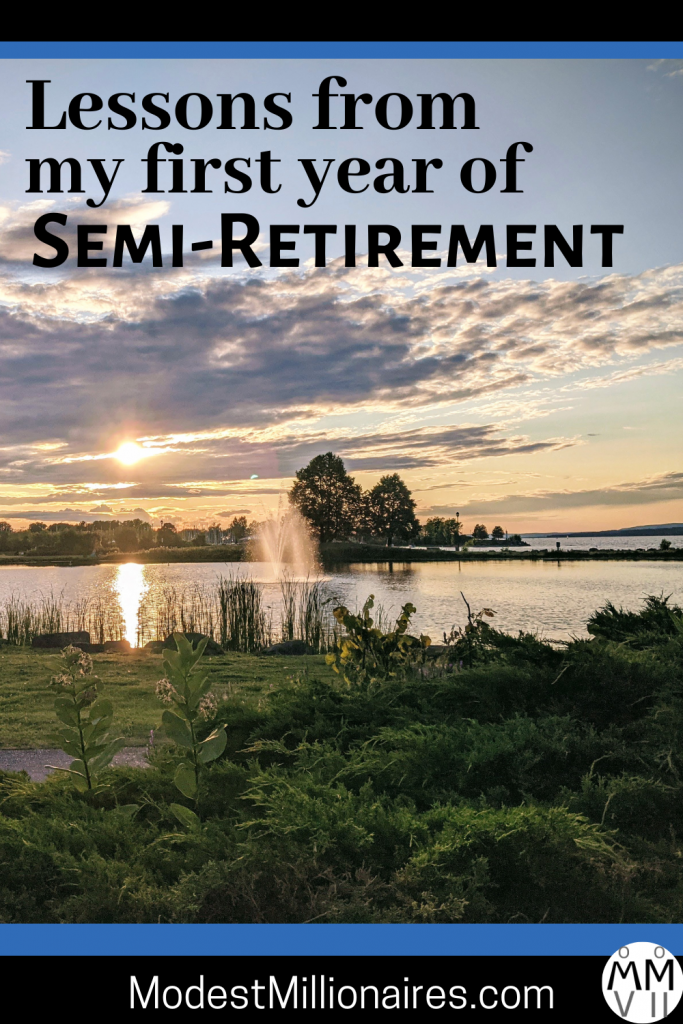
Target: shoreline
(348, 554)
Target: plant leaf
(185, 816)
(71, 748)
(213, 746)
(104, 756)
(176, 729)
(185, 780)
(65, 711)
(101, 709)
(127, 809)
(197, 686)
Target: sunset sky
(539, 399)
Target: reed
(244, 623)
(232, 611)
(22, 620)
(172, 610)
(306, 614)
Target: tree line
(337, 508)
(110, 536)
(328, 498)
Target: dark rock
(212, 647)
(155, 646)
(60, 640)
(117, 647)
(90, 648)
(289, 647)
(437, 650)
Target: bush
(538, 785)
(639, 630)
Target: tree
(238, 528)
(442, 531)
(453, 529)
(498, 533)
(37, 527)
(480, 532)
(434, 530)
(127, 538)
(327, 497)
(5, 527)
(392, 510)
(167, 536)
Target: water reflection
(130, 587)
(554, 599)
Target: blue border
(332, 940)
(338, 50)
(336, 940)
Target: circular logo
(642, 982)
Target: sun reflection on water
(130, 586)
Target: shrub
(541, 784)
(639, 630)
(365, 654)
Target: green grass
(27, 719)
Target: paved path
(34, 761)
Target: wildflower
(84, 663)
(151, 738)
(165, 691)
(208, 706)
(61, 680)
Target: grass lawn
(27, 718)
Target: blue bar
(339, 50)
(332, 940)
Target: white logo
(642, 982)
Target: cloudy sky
(544, 398)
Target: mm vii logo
(642, 982)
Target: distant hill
(659, 526)
(657, 530)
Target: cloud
(663, 487)
(70, 515)
(231, 374)
(218, 462)
(623, 376)
(18, 241)
(422, 447)
(670, 68)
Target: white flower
(165, 690)
(208, 706)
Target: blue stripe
(333, 940)
(338, 50)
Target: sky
(534, 398)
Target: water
(602, 543)
(589, 543)
(551, 598)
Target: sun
(130, 453)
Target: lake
(550, 598)
(603, 543)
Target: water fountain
(286, 544)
